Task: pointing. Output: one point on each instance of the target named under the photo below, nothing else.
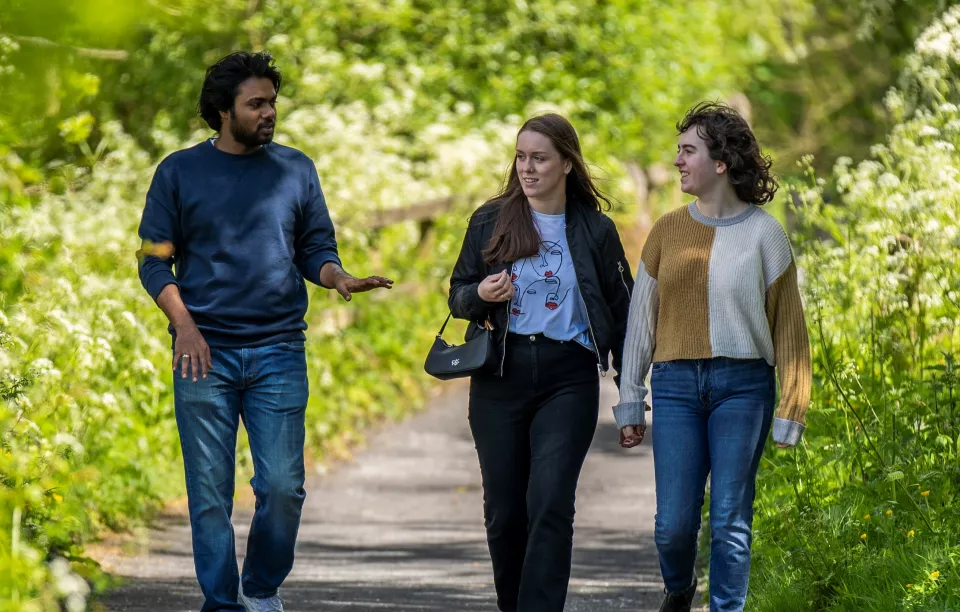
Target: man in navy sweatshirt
(244, 223)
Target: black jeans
(532, 429)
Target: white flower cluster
(366, 166)
(8, 47)
(893, 263)
(69, 585)
(942, 38)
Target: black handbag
(448, 361)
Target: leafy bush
(864, 515)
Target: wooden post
(641, 186)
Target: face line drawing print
(554, 300)
(514, 278)
(551, 258)
(550, 254)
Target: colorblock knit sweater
(709, 287)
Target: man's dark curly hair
(223, 79)
(730, 140)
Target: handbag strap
(444, 326)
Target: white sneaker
(255, 604)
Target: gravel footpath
(400, 528)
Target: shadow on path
(400, 528)
(607, 573)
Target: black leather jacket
(603, 275)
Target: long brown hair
(515, 236)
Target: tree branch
(117, 55)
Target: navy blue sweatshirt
(246, 231)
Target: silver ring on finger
(185, 356)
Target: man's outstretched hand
(347, 285)
(335, 277)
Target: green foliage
(863, 516)
(625, 68)
(396, 102)
(823, 95)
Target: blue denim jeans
(266, 387)
(711, 416)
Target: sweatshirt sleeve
(791, 347)
(159, 233)
(316, 242)
(641, 336)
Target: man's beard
(250, 138)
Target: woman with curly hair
(716, 309)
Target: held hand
(632, 435)
(347, 285)
(496, 288)
(782, 445)
(191, 352)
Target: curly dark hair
(730, 140)
(223, 79)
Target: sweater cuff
(310, 270)
(629, 413)
(787, 432)
(157, 281)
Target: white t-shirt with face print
(546, 296)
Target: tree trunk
(641, 186)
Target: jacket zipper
(623, 280)
(593, 337)
(503, 356)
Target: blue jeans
(711, 416)
(266, 387)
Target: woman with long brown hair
(545, 268)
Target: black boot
(679, 602)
